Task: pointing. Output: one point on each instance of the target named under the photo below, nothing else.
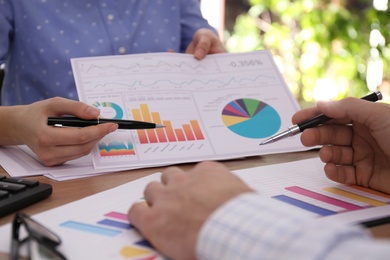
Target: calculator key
(3, 194)
(27, 182)
(12, 187)
(16, 194)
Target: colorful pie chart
(251, 118)
(109, 110)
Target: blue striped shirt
(254, 227)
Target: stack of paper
(96, 227)
(221, 107)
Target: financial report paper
(220, 107)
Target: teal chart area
(109, 109)
(251, 118)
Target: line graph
(140, 67)
(230, 81)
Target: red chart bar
(143, 139)
(180, 135)
(188, 132)
(197, 131)
(152, 136)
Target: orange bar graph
(373, 192)
(180, 135)
(143, 139)
(169, 130)
(146, 117)
(354, 196)
(196, 129)
(160, 131)
(188, 132)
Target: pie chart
(251, 118)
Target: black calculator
(17, 193)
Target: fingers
(347, 109)
(137, 215)
(152, 191)
(339, 155)
(327, 134)
(76, 136)
(170, 174)
(342, 174)
(62, 106)
(350, 108)
(305, 114)
(205, 42)
(59, 145)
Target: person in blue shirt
(210, 213)
(39, 37)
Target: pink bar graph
(323, 198)
(117, 215)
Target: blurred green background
(324, 49)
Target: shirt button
(110, 17)
(122, 50)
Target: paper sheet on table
(96, 227)
(20, 161)
(218, 108)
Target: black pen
(78, 122)
(313, 122)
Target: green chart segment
(251, 118)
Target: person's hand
(177, 207)
(356, 143)
(205, 42)
(54, 145)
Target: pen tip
(266, 141)
(160, 126)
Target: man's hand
(176, 208)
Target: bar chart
(113, 224)
(312, 192)
(344, 200)
(190, 131)
(97, 226)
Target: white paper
(20, 161)
(270, 181)
(223, 106)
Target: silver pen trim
(291, 131)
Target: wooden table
(72, 190)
